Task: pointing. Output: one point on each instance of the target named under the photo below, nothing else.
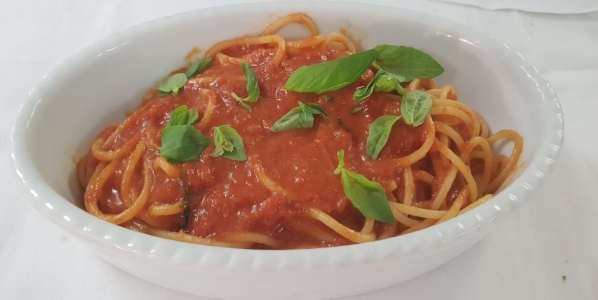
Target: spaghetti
(285, 195)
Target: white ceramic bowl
(96, 85)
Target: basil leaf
(179, 116)
(228, 143)
(341, 162)
(198, 67)
(363, 93)
(389, 83)
(415, 107)
(182, 143)
(330, 75)
(253, 90)
(217, 152)
(183, 116)
(313, 109)
(193, 117)
(299, 117)
(172, 84)
(356, 110)
(368, 197)
(382, 82)
(378, 134)
(406, 62)
(295, 118)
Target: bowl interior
(97, 86)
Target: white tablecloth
(526, 258)
(537, 6)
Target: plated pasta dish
(268, 143)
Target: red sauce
(225, 195)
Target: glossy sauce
(226, 197)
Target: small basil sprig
(299, 117)
(228, 143)
(415, 107)
(331, 75)
(172, 84)
(406, 62)
(378, 134)
(367, 196)
(382, 82)
(253, 90)
(181, 142)
(182, 115)
(401, 63)
(198, 67)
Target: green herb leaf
(378, 134)
(182, 143)
(363, 93)
(172, 84)
(193, 117)
(313, 109)
(253, 90)
(245, 105)
(331, 75)
(389, 83)
(228, 143)
(356, 110)
(415, 107)
(299, 117)
(382, 82)
(198, 67)
(341, 162)
(183, 116)
(406, 62)
(367, 196)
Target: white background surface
(555, 235)
(538, 6)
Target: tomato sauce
(226, 196)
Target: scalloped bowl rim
(57, 209)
